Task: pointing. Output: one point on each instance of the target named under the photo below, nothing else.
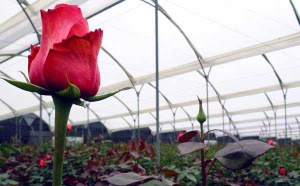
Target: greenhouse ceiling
(249, 51)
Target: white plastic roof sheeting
(230, 35)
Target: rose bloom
(42, 162)
(69, 127)
(179, 135)
(68, 50)
(270, 142)
(48, 157)
(282, 171)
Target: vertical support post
(285, 116)
(298, 125)
(82, 133)
(88, 120)
(223, 120)
(157, 87)
(20, 130)
(16, 131)
(41, 123)
(207, 106)
(138, 113)
(174, 115)
(275, 115)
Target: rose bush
(68, 50)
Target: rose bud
(179, 135)
(282, 171)
(47, 157)
(42, 163)
(201, 117)
(271, 142)
(296, 153)
(68, 52)
(69, 127)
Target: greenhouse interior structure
(239, 57)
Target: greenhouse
(189, 92)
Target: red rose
(69, 127)
(47, 157)
(179, 135)
(42, 163)
(68, 50)
(270, 142)
(296, 153)
(282, 171)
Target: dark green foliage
(88, 164)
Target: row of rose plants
(91, 164)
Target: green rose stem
(62, 111)
(203, 172)
(63, 102)
(201, 118)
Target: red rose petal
(34, 50)
(79, 29)
(78, 63)
(56, 25)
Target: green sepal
(28, 87)
(79, 102)
(102, 97)
(27, 80)
(71, 92)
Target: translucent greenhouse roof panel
(286, 63)
(7, 13)
(241, 82)
(110, 72)
(121, 26)
(114, 124)
(23, 35)
(184, 87)
(291, 96)
(234, 19)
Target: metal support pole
(82, 133)
(275, 117)
(16, 131)
(298, 126)
(20, 130)
(174, 115)
(285, 116)
(223, 115)
(41, 123)
(138, 113)
(157, 87)
(174, 123)
(88, 120)
(207, 107)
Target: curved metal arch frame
(284, 92)
(198, 55)
(220, 101)
(290, 1)
(131, 114)
(171, 108)
(138, 92)
(274, 109)
(99, 119)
